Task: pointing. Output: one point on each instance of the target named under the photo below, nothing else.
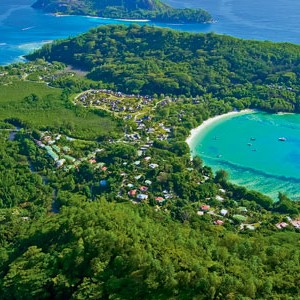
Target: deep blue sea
(22, 28)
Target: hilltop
(148, 60)
(125, 9)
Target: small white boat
(282, 139)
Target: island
(153, 10)
(99, 195)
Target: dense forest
(152, 60)
(99, 197)
(153, 10)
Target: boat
(27, 28)
(253, 139)
(282, 139)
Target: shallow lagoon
(248, 147)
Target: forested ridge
(104, 250)
(153, 10)
(151, 61)
(100, 198)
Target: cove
(247, 145)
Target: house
(219, 198)
(132, 193)
(153, 166)
(148, 182)
(205, 207)
(60, 162)
(160, 200)
(144, 188)
(56, 148)
(168, 196)
(242, 209)
(219, 222)
(281, 225)
(224, 212)
(142, 197)
(296, 223)
(200, 213)
(249, 227)
(53, 155)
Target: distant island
(153, 10)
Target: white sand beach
(132, 20)
(196, 131)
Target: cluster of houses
(146, 128)
(221, 215)
(113, 101)
(289, 222)
(138, 189)
(140, 193)
(60, 155)
(44, 71)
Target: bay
(247, 146)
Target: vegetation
(90, 211)
(151, 61)
(32, 104)
(105, 250)
(153, 10)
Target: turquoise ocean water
(248, 148)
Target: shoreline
(196, 131)
(101, 18)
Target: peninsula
(153, 10)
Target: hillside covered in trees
(153, 10)
(151, 61)
(99, 197)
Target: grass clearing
(51, 112)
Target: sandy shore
(196, 131)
